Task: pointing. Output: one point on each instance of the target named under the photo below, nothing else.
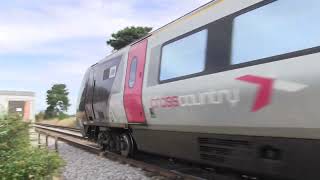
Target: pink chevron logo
(266, 86)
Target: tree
(57, 100)
(127, 35)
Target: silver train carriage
(233, 84)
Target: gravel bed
(82, 165)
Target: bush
(19, 160)
(63, 116)
(59, 116)
(40, 116)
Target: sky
(54, 41)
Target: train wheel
(105, 141)
(101, 140)
(126, 145)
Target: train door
(89, 96)
(104, 76)
(133, 83)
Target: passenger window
(278, 28)
(184, 57)
(133, 71)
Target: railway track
(59, 127)
(168, 168)
(73, 137)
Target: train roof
(185, 16)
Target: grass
(68, 122)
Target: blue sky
(54, 41)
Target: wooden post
(56, 144)
(39, 140)
(47, 141)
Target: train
(232, 84)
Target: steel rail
(78, 141)
(59, 127)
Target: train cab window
(183, 57)
(106, 73)
(110, 73)
(133, 72)
(278, 28)
(113, 71)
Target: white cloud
(47, 28)
(24, 29)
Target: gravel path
(82, 165)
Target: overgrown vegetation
(18, 159)
(40, 116)
(68, 122)
(127, 35)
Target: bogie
(113, 140)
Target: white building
(18, 102)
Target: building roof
(16, 93)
